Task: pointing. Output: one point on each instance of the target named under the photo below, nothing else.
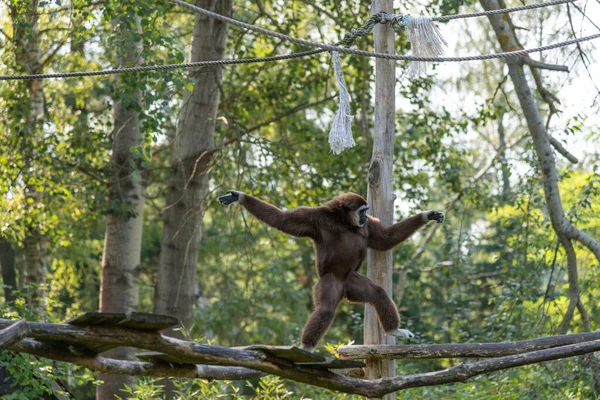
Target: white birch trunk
(29, 60)
(177, 287)
(123, 237)
(188, 178)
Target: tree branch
(66, 342)
(543, 148)
(12, 334)
(583, 238)
(573, 284)
(584, 58)
(10, 39)
(338, 21)
(480, 173)
(461, 350)
(559, 147)
(87, 359)
(462, 372)
(542, 65)
(279, 117)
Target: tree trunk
(176, 286)
(502, 157)
(188, 178)
(28, 58)
(123, 237)
(565, 231)
(381, 194)
(9, 273)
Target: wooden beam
(90, 360)
(60, 342)
(380, 190)
(461, 350)
(12, 334)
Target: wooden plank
(380, 189)
(289, 353)
(163, 357)
(133, 320)
(97, 348)
(94, 318)
(149, 321)
(333, 363)
(87, 344)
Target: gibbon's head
(353, 206)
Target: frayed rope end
(340, 135)
(425, 40)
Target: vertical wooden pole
(380, 193)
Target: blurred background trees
(495, 271)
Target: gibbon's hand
(435, 216)
(231, 197)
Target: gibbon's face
(359, 216)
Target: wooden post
(380, 193)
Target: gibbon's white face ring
(360, 216)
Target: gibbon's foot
(435, 216)
(306, 348)
(401, 333)
(231, 197)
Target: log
(62, 343)
(461, 350)
(380, 184)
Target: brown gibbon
(341, 232)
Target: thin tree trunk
(123, 237)
(381, 193)
(502, 157)
(29, 60)
(565, 231)
(9, 273)
(176, 287)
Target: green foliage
(32, 377)
(492, 272)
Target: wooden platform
(301, 358)
(134, 320)
(146, 322)
(154, 323)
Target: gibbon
(341, 232)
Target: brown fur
(340, 249)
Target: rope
(159, 67)
(386, 56)
(384, 18)
(348, 39)
(500, 10)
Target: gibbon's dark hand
(436, 216)
(231, 197)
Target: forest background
(109, 184)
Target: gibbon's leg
(327, 295)
(359, 289)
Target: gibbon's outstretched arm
(385, 238)
(296, 222)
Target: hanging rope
(340, 135)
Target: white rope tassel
(425, 40)
(340, 135)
